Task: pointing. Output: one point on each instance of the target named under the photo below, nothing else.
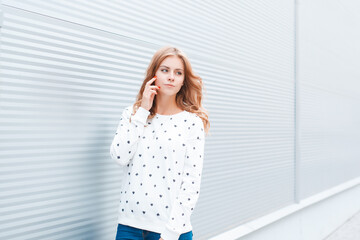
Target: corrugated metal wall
(70, 67)
(329, 94)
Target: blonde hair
(189, 97)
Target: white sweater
(163, 161)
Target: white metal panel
(70, 67)
(329, 95)
(62, 88)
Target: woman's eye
(179, 73)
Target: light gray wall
(70, 68)
(328, 99)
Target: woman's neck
(166, 106)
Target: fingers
(154, 87)
(153, 91)
(151, 88)
(151, 80)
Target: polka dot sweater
(163, 160)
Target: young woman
(160, 142)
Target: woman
(160, 142)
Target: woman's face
(171, 71)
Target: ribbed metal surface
(70, 67)
(329, 97)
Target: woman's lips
(169, 85)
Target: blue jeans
(125, 232)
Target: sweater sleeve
(128, 134)
(185, 201)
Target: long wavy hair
(189, 97)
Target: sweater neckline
(172, 115)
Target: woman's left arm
(190, 187)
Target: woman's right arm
(128, 134)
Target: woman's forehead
(172, 62)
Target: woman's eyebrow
(168, 67)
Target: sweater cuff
(141, 115)
(167, 234)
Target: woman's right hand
(149, 94)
